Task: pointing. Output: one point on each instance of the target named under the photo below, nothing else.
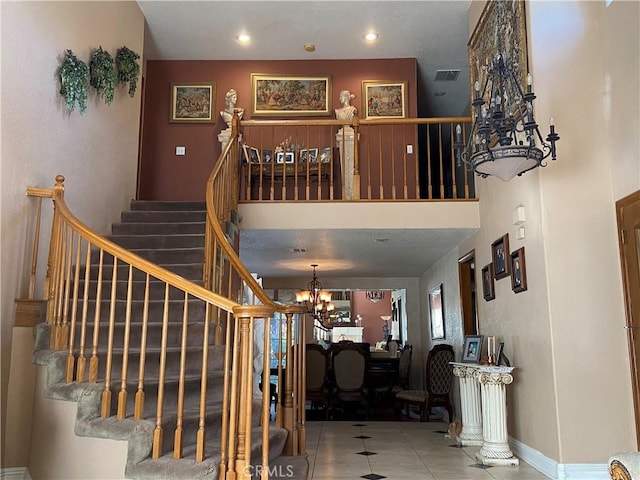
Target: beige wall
(571, 399)
(96, 152)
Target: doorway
(467, 280)
(628, 216)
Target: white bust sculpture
(230, 100)
(347, 111)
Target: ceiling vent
(446, 75)
(296, 250)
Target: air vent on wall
(446, 75)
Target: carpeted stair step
(156, 310)
(157, 205)
(161, 256)
(138, 287)
(155, 216)
(189, 271)
(159, 228)
(165, 240)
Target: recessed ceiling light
(381, 239)
(371, 37)
(244, 38)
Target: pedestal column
(345, 139)
(471, 433)
(495, 445)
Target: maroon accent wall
(370, 313)
(165, 176)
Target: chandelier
(316, 300)
(504, 140)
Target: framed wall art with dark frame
(499, 250)
(193, 103)
(488, 283)
(384, 99)
(518, 271)
(290, 95)
(509, 19)
(436, 313)
(472, 348)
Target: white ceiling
(433, 32)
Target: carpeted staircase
(170, 234)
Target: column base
(487, 460)
(467, 441)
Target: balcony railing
(366, 160)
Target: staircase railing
(368, 160)
(82, 281)
(226, 275)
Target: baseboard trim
(555, 470)
(15, 473)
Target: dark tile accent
(457, 445)
(359, 425)
(362, 437)
(440, 431)
(373, 476)
(366, 453)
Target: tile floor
(397, 451)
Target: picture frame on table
(285, 157)
(384, 99)
(324, 155)
(499, 251)
(267, 156)
(254, 155)
(290, 95)
(246, 153)
(472, 348)
(193, 103)
(309, 155)
(436, 313)
(488, 283)
(499, 353)
(518, 271)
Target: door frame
(467, 284)
(634, 357)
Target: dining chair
(317, 375)
(439, 380)
(349, 362)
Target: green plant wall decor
(73, 75)
(102, 74)
(128, 68)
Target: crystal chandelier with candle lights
(316, 300)
(504, 140)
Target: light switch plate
(409, 148)
(181, 150)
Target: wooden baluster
(157, 432)
(106, 394)
(93, 361)
(441, 160)
(178, 435)
(81, 366)
(123, 394)
(64, 298)
(138, 410)
(288, 387)
(266, 396)
(355, 123)
(405, 163)
(428, 169)
(302, 436)
(74, 313)
(452, 155)
(230, 405)
(416, 163)
(200, 436)
(293, 364)
(393, 163)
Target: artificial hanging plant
(102, 74)
(73, 74)
(128, 68)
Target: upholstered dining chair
(317, 371)
(350, 361)
(404, 368)
(439, 380)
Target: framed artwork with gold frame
(290, 95)
(193, 103)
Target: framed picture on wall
(384, 99)
(518, 271)
(193, 102)
(290, 95)
(488, 284)
(499, 249)
(436, 313)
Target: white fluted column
(345, 139)
(495, 444)
(471, 433)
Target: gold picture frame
(290, 95)
(193, 103)
(384, 99)
(509, 23)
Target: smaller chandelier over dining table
(316, 299)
